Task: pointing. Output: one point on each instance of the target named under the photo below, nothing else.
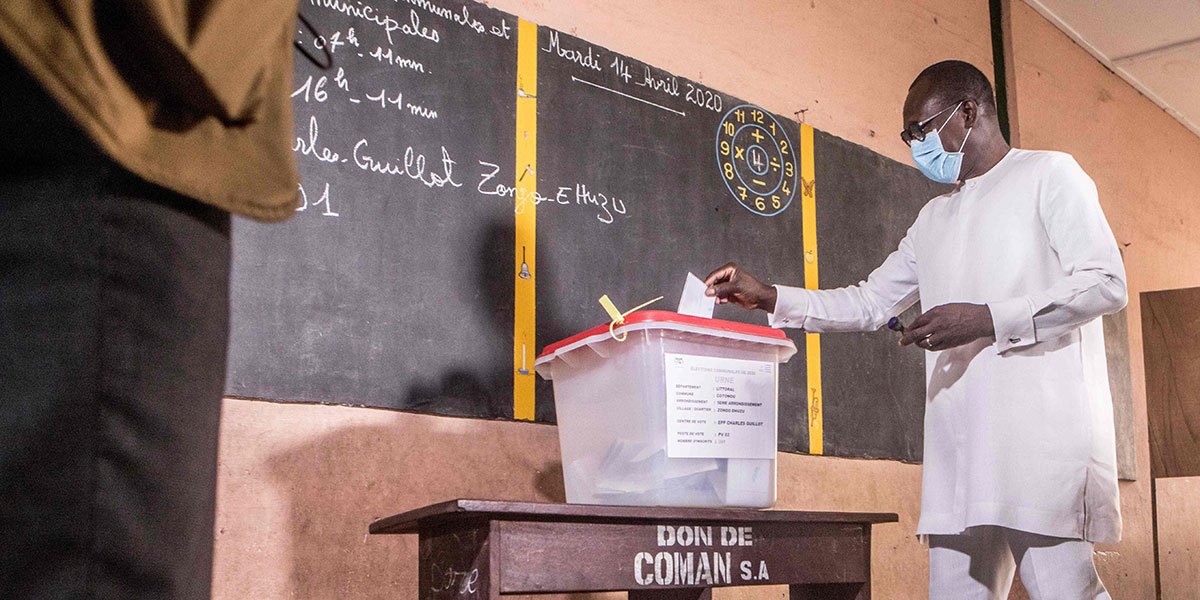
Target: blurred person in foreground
(130, 131)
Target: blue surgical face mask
(933, 160)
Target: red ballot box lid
(665, 319)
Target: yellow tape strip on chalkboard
(525, 271)
(808, 188)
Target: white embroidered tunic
(1018, 432)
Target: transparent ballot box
(668, 410)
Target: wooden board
(1171, 342)
(1120, 384)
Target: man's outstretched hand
(731, 284)
(950, 325)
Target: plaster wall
(1178, 545)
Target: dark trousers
(113, 328)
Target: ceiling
(1152, 44)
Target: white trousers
(979, 563)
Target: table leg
(677, 594)
(829, 591)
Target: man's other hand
(950, 325)
(731, 284)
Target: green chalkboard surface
(382, 290)
(393, 287)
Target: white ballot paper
(720, 407)
(693, 301)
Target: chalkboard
(397, 284)
(874, 390)
(660, 159)
(383, 290)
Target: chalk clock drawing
(757, 160)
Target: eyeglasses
(916, 131)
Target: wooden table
(488, 549)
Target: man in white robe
(1015, 268)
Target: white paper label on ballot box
(720, 407)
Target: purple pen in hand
(895, 325)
